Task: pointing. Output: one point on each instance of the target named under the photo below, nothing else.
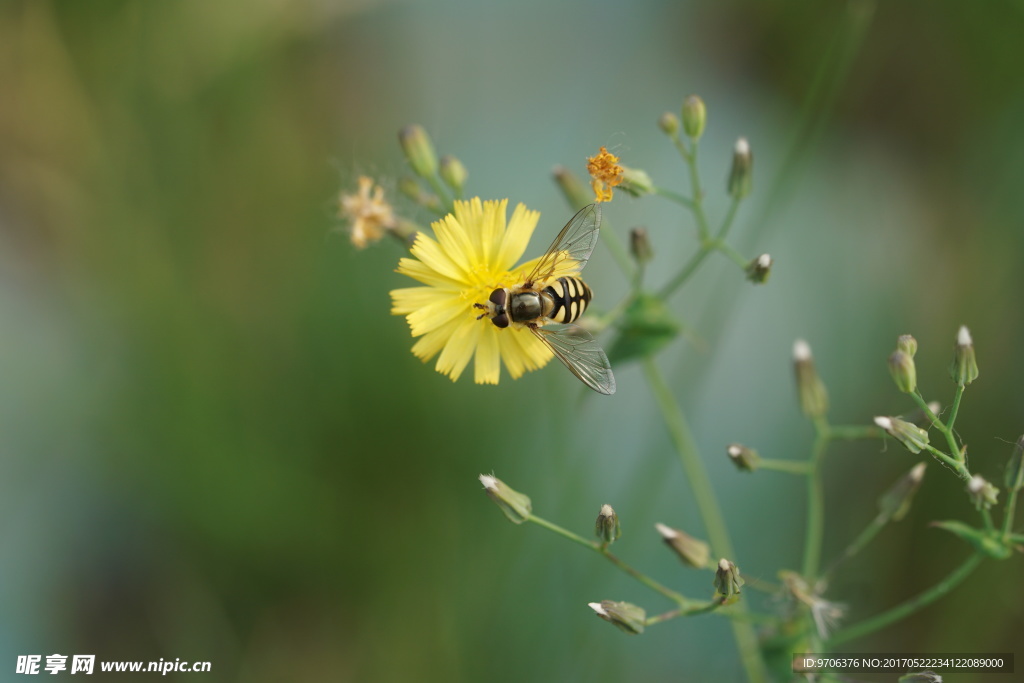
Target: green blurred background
(216, 445)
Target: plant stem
(684, 274)
(910, 606)
(674, 196)
(854, 432)
(815, 503)
(727, 223)
(737, 258)
(865, 537)
(697, 194)
(956, 407)
(618, 251)
(707, 504)
(672, 595)
(958, 467)
(442, 194)
(791, 466)
(946, 429)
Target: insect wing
(581, 353)
(576, 241)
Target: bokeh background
(214, 441)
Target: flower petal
(516, 238)
(436, 314)
(460, 347)
(433, 256)
(418, 270)
(410, 299)
(522, 352)
(427, 346)
(487, 369)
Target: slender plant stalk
(910, 606)
(674, 196)
(723, 231)
(707, 504)
(815, 503)
(790, 466)
(672, 595)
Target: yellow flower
(473, 254)
(606, 173)
(368, 213)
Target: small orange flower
(606, 173)
(368, 213)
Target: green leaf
(982, 540)
(646, 327)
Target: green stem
(707, 504)
(958, 467)
(683, 275)
(618, 251)
(1009, 511)
(910, 606)
(694, 610)
(865, 537)
(946, 430)
(854, 432)
(956, 407)
(737, 258)
(815, 503)
(727, 223)
(442, 194)
(674, 196)
(696, 193)
(986, 517)
(791, 466)
(672, 595)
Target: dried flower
(604, 168)
(370, 217)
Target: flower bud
(759, 269)
(911, 436)
(626, 616)
(690, 550)
(741, 176)
(419, 150)
(515, 505)
(907, 344)
(809, 387)
(895, 503)
(640, 246)
(453, 172)
(607, 528)
(745, 459)
(983, 494)
(669, 124)
(727, 582)
(636, 182)
(903, 371)
(694, 116)
(964, 368)
(1014, 478)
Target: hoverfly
(548, 305)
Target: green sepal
(982, 540)
(647, 326)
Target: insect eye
(499, 297)
(500, 320)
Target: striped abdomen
(570, 296)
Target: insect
(548, 305)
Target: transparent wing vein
(581, 353)
(576, 241)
